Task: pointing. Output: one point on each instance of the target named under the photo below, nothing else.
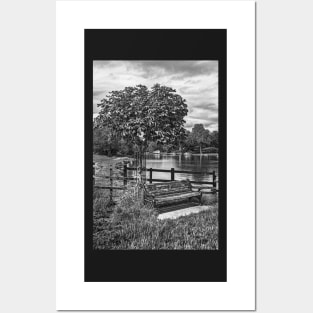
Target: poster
(155, 155)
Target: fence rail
(167, 171)
(172, 171)
(125, 178)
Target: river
(192, 162)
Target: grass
(131, 225)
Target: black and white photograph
(155, 154)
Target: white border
(238, 17)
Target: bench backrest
(168, 188)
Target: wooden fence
(172, 171)
(125, 178)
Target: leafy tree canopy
(200, 134)
(138, 114)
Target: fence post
(214, 180)
(111, 184)
(93, 172)
(172, 174)
(150, 178)
(125, 173)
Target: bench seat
(170, 193)
(178, 196)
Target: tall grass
(131, 225)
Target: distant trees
(200, 135)
(152, 146)
(105, 143)
(199, 140)
(214, 139)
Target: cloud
(205, 105)
(195, 81)
(97, 93)
(178, 69)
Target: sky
(195, 81)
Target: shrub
(210, 150)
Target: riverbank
(110, 160)
(132, 225)
(99, 157)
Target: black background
(155, 265)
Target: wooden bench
(171, 193)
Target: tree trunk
(140, 163)
(200, 148)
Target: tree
(152, 146)
(181, 138)
(214, 139)
(103, 142)
(200, 135)
(139, 115)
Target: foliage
(200, 135)
(140, 115)
(214, 139)
(152, 146)
(210, 150)
(200, 138)
(104, 143)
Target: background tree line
(198, 140)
